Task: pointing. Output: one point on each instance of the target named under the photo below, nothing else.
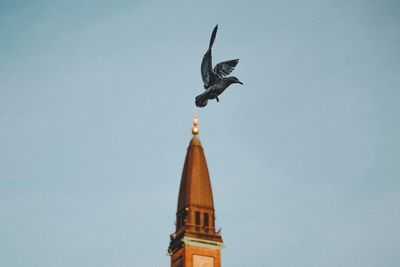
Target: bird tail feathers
(201, 100)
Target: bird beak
(240, 82)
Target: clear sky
(96, 103)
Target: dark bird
(215, 80)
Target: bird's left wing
(224, 68)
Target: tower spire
(195, 127)
(196, 242)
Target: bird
(214, 79)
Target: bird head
(234, 80)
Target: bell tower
(195, 243)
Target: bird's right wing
(224, 68)
(206, 68)
(206, 64)
(212, 39)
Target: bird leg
(216, 97)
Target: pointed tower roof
(195, 189)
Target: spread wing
(206, 69)
(206, 65)
(224, 68)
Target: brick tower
(195, 242)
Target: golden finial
(195, 128)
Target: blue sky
(96, 103)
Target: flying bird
(215, 80)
